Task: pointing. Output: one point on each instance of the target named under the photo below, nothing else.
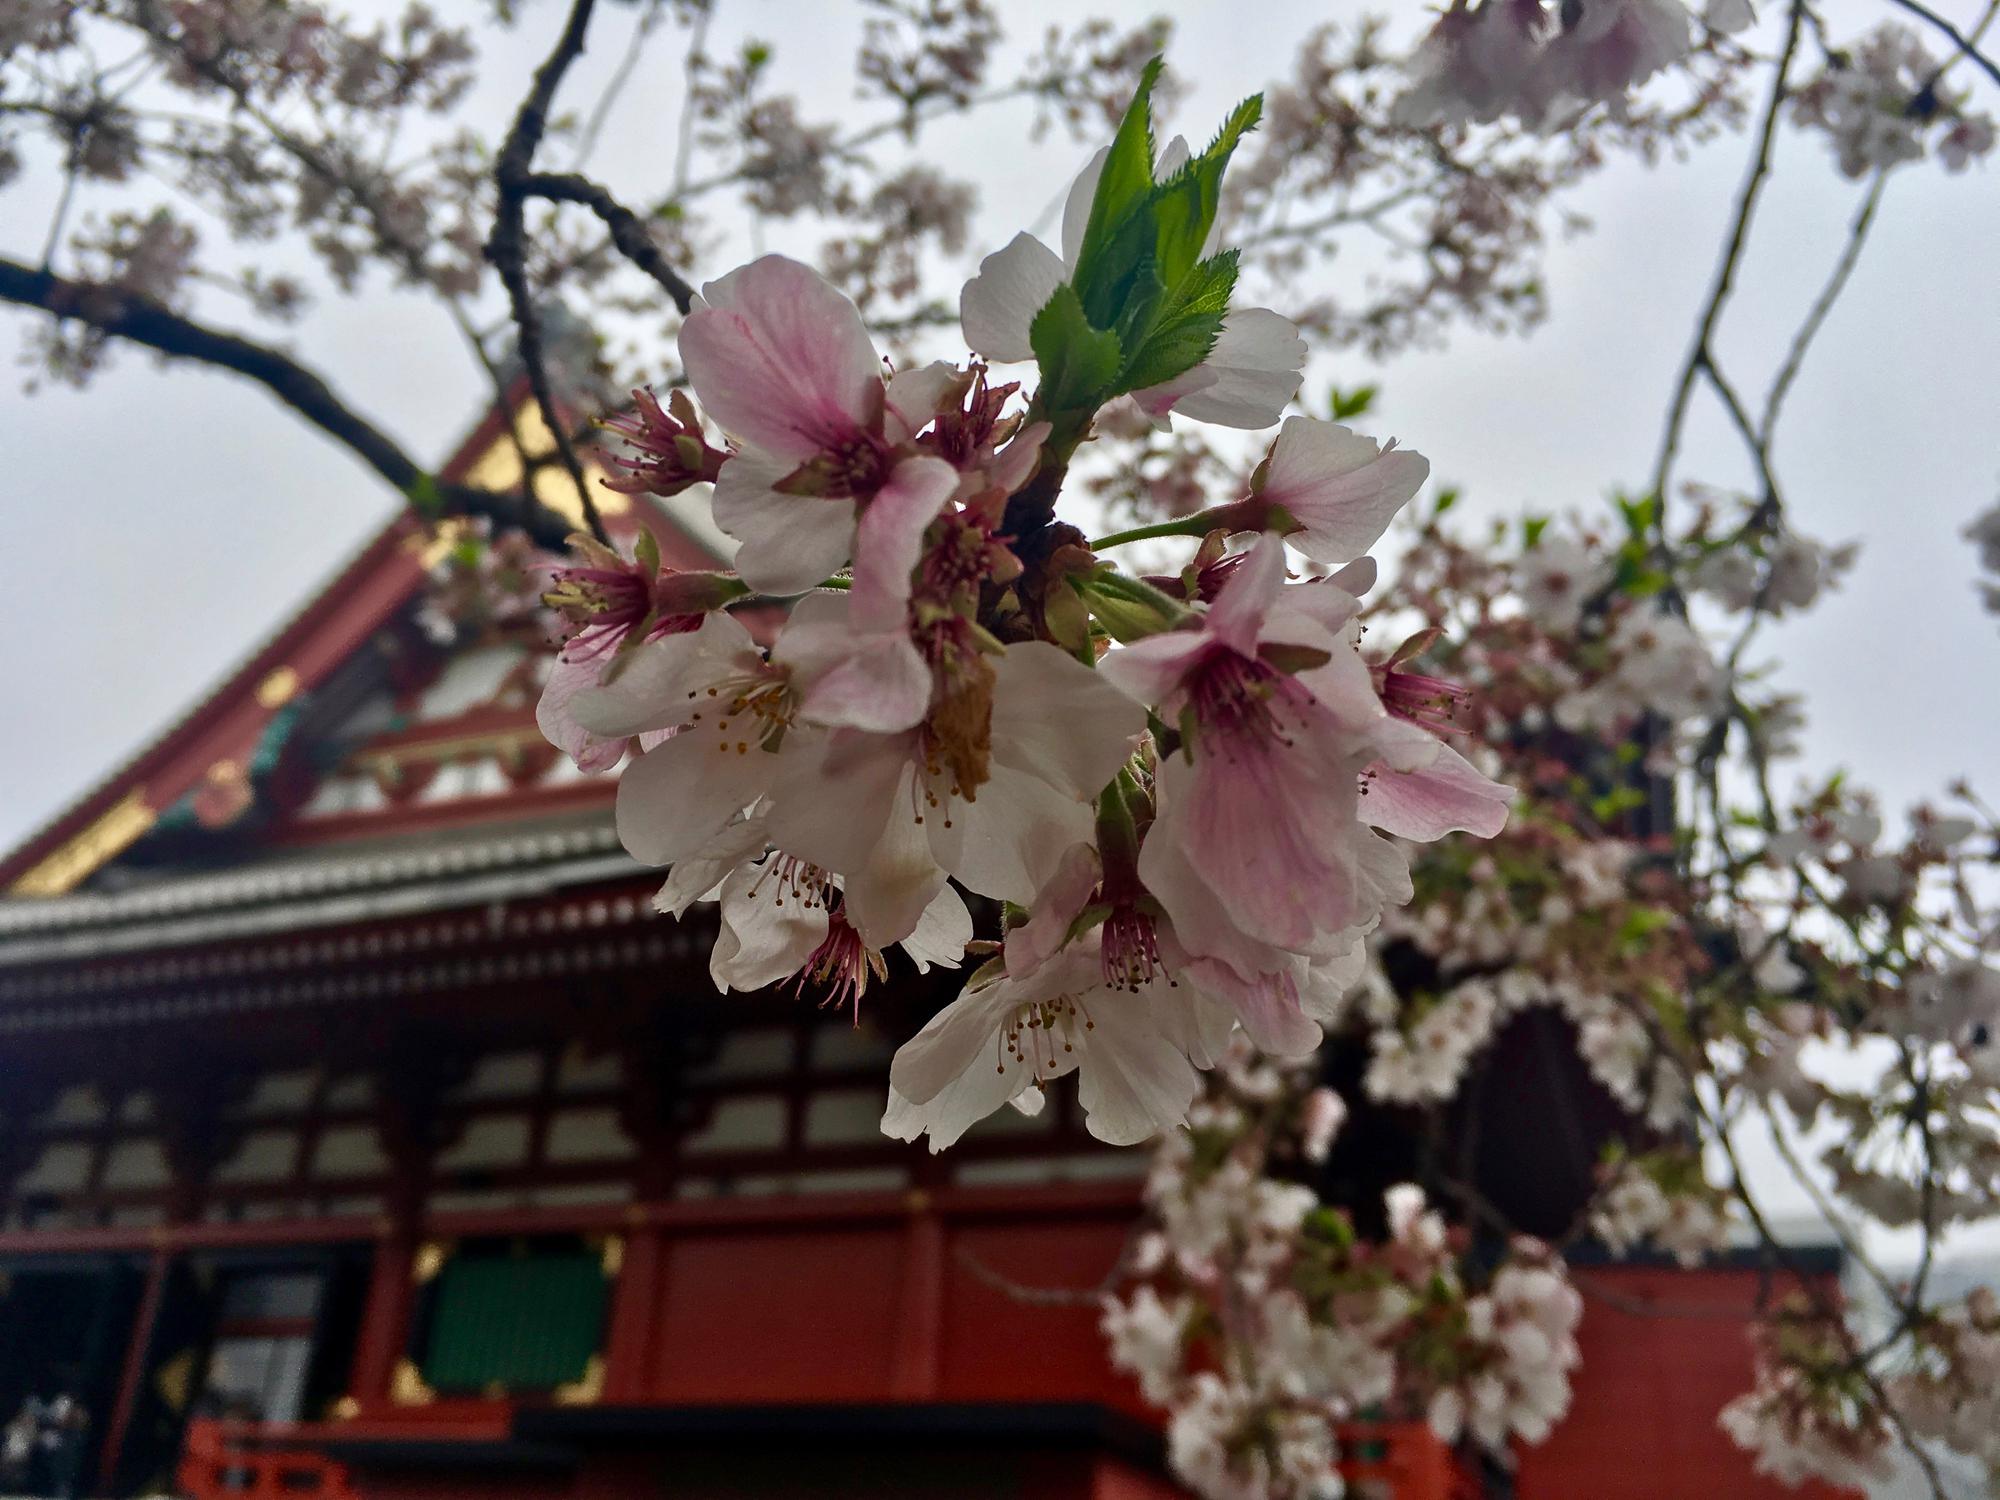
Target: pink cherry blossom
(1258, 829)
(613, 602)
(783, 362)
(1331, 490)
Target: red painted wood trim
(628, 1357)
(1042, 1201)
(178, 1237)
(134, 1369)
(508, 806)
(385, 1322)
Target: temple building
(365, 1132)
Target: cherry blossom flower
(782, 361)
(1258, 834)
(1004, 1035)
(1613, 46)
(782, 920)
(1330, 491)
(1478, 63)
(991, 788)
(613, 603)
(732, 712)
(1557, 576)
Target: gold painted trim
(68, 867)
(612, 1256)
(429, 1261)
(407, 1388)
(278, 688)
(587, 1389)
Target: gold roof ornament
(114, 831)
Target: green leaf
(1127, 179)
(1079, 363)
(1184, 326)
(1640, 515)
(1353, 403)
(425, 498)
(1184, 205)
(1532, 528)
(1446, 499)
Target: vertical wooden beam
(126, 1403)
(385, 1318)
(635, 1302)
(917, 1360)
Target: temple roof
(376, 744)
(288, 890)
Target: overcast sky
(169, 519)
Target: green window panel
(520, 1322)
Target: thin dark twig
(1850, 256)
(1739, 415)
(600, 112)
(1698, 356)
(628, 231)
(506, 249)
(61, 215)
(684, 131)
(125, 315)
(1959, 39)
(410, 251)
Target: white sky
(169, 520)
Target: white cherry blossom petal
(1449, 795)
(699, 876)
(789, 543)
(679, 795)
(555, 716)
(1056, 719)
(662, 684)
(997, 306)
(941, 933)
(1339, 485)
(762, 939)
(1247, 380)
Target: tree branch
(141, 320)
(1850, 255)
(1700, 355)
(628, 231)
(1958, 38)
(506, 246)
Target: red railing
(233, 1461)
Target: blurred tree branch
(141, 320)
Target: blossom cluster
(1812, 1413)
(1262, 1320)
(1488, 59)
(1187, 823)
(1880, 103)
(1698, 975)
(1178, 789)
